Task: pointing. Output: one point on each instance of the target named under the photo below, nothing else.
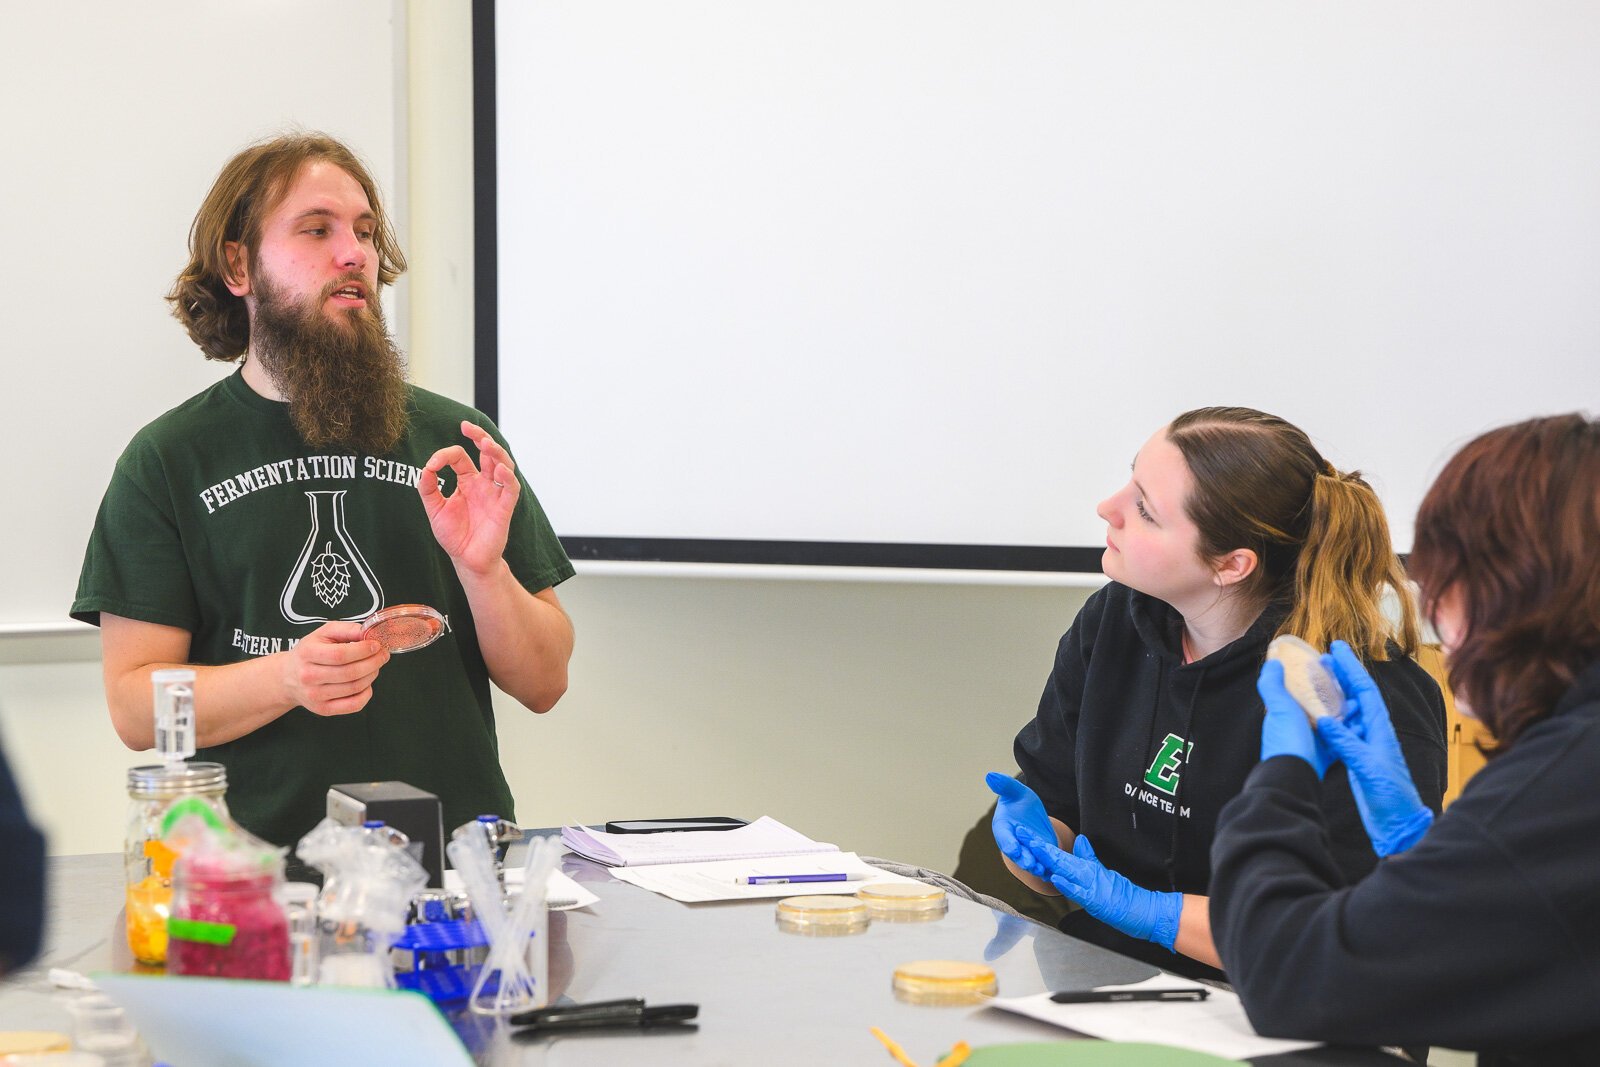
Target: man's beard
(344, 380)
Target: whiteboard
(117, 118)
(912, 273)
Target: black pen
(635, 1018)
(560, 1013)
(1118, 996)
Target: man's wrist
(488, 573)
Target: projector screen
(909, 283)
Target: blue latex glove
(1363, 737)
(1107, 895)
(1018, 806)
(1286, 731)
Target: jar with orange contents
(147, 861)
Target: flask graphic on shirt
(330, 580)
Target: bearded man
(248, 531)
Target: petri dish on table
(821, 916)
(944, 982)
(903, 902)
(404, 627)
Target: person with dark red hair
(1481, 928)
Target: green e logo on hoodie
(1163, 771)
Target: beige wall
(861, 712)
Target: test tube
(299, 900)
(174, 702)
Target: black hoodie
(1484, 935)
(1140, 751)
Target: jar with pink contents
(226, 921)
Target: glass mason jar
(227, 924)
(147, 862)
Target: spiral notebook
(761, 839)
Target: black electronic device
(414, 812)
(658, 826)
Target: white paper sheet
(561, 891)
(695, 883)
(764, 837)
(1217, 1025)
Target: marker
(785, 879)
(1119, 996)
(604, 1015)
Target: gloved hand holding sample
(1286, 731)
(1364, 738)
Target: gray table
(765, 996)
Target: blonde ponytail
(1345, 566)
(1320, 537)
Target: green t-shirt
(219, 520)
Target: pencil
(895, 1050)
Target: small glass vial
(350, 953)
(174, 700)
(299, 900)
(100, 1028)
(227, 923)
(147, 861)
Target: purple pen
(785, 879)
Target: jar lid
(944, 982)
(822, 916)
(904, 901)
(404, 627)
(164, 780)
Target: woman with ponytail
(1232, 530)
(1481, 929)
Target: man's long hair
(250, 186)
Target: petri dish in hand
(404, 627)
